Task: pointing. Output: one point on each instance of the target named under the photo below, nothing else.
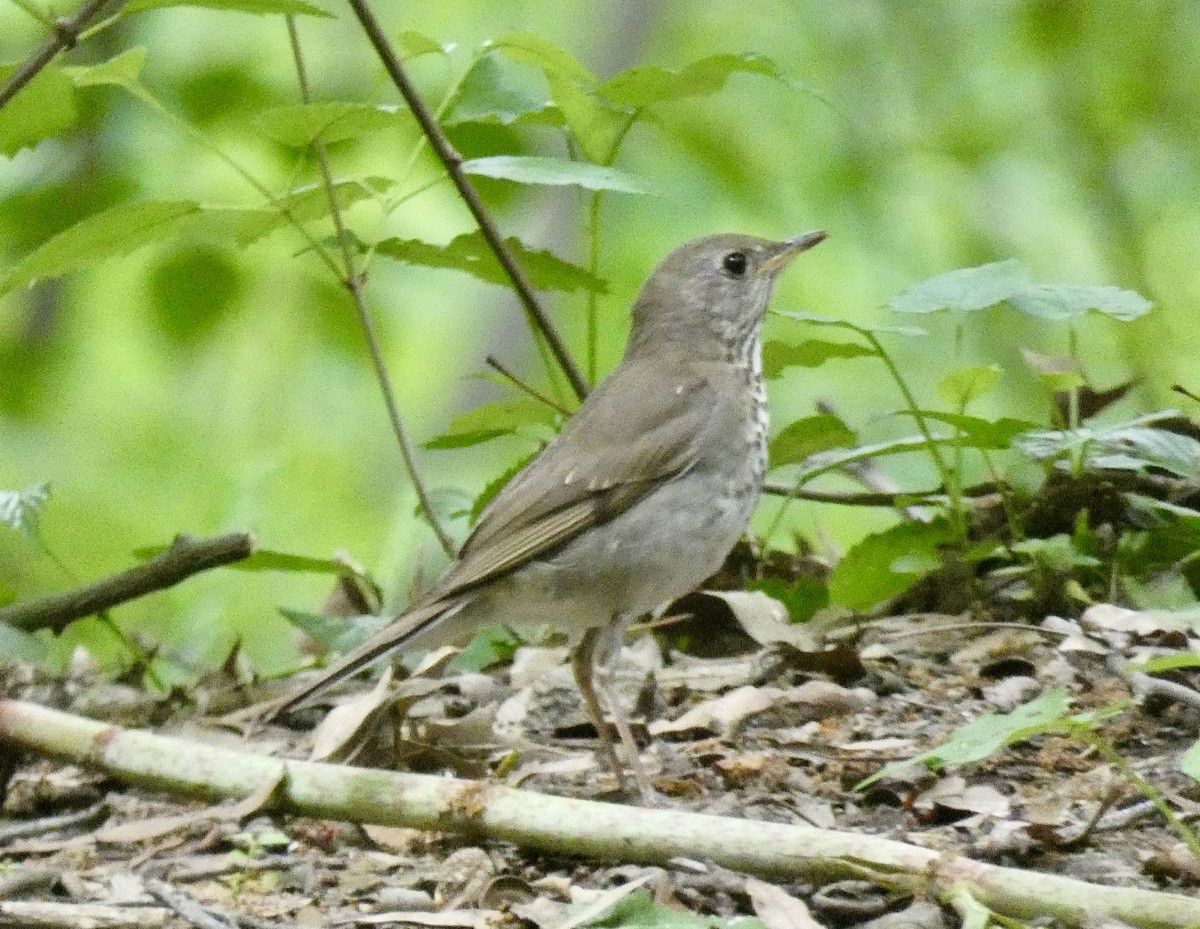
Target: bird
(637, 500)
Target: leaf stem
(66, 34)
(1145, 788)
(452, 161)
(352, 279)
(950, 479)
(494, 362)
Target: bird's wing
(391, 637)
(635, 432)
(599, 466)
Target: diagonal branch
(352, 278)
(66, 34)
(453, 163)
(185, 557)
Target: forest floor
(772, 732)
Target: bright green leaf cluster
(971, 289)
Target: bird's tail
(412, 625)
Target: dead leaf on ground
(778, 909)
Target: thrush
(638, 499)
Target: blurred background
(195, 387)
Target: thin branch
(495, 363)
(453, 162)
(873, 498)
(66, 34)
(192, 912)
(353, 281)
(185, 557)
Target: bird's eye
(734, 264)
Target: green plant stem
(593, 235)
(950, 479)
(140, 93)
(1147, 790)
(493, 362)
(452, 161)
(593, 299)
(352, 279)
(132, 646)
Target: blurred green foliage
(201, 383)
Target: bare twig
(494, 362)
(185, 557)
(452, 161)
(352, 278)
(51, 914)
(85, 818)
(185, 906)
(875, 498)
(66, 34)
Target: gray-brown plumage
(642, 494)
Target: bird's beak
(790, 248)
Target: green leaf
(639, 87)
(123, 70)
(1070, 301)
(21, 509)
(983, 737)
(264, 559)
(802, 598)
(339, 634)
(819, 319)
(257, 7)
(1057, 554)
(492, 645)
(491, 420)
(18, 645)
(807, 436)
(496, 484)
(833, 460)
(414, 44)
(541, 53)
(959, 388)
(1062, 381)
(118, 230)
(1166, 663)
(778, 356)
(885, 564)
(1189, 764)
(1139, 449)
(490, 93)
(639, 911)
(470, 253)
(964, 290)
(595, 125)
(43, 108)
(975, 432)
(301, 125)
(245, 225)
(532, 169)
(969, 289)
(1132, 446)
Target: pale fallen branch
(565, 826)
(36, 914)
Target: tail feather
(391, 638)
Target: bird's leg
(583, 665)
(610, 648)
